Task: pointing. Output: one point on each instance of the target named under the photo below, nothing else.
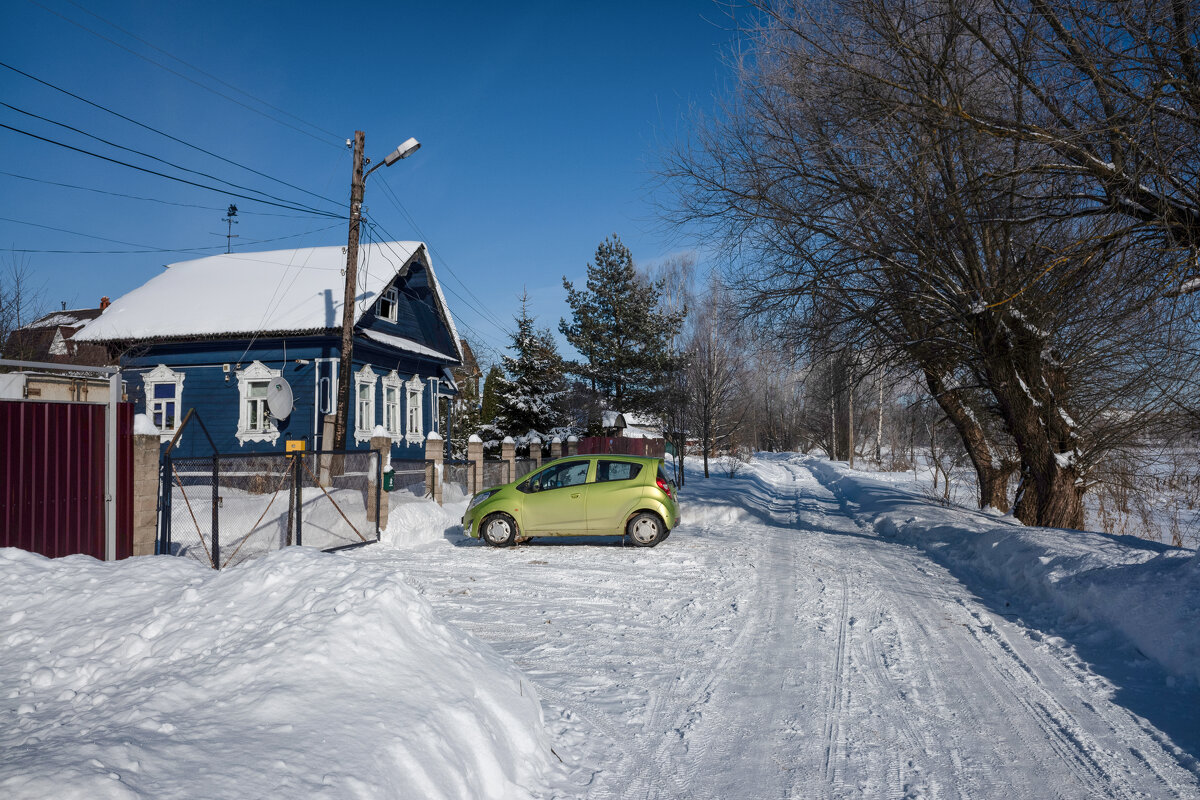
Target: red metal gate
(52, 478)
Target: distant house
(50, 338)
(216, 334)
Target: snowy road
(774, 646)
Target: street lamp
(358, 179)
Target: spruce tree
(621, 331)
(529, 395)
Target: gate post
(508, 452)
(216, 520)
(146, 492)
(435, 451)
(377, 499)
(475, 464)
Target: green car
(591, 495)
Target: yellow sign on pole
(295, 444)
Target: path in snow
(775, 647)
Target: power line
(484, 315)
(315, 212)
(205, 74)
(179, 74)
(152, 129)
(142, 153)
(391, 195)
(104, 191)
(100, 238)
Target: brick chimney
(104, 303)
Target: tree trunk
(1023, 380)
(990, 472)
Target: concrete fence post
(381, 443)
(508, 454)
(556, 448)
(435, 451)
(535, 451)
(572, 445)
(146, 487)
(475, 468)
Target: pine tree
(621, 331)
(529, 395)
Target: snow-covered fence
(224, 509)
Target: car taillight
(663, 485)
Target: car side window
(573, 473)
(616, 471)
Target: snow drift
(302, 674)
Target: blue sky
(541, 126)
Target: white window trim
(393, 381)
(390, 295)
(414, 387)
(164, 374)
(364, 377)
(435, 394)
(255, 372)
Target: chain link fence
(222, 510)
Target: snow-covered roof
(281, 291)
(401, 343)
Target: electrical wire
(144, 154)
(101, 238)
(209, 75)
(315, 212)
(152, 129)
(180, 74)
(441, 261)
(113, 194)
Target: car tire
(499, 530)
(646, 530)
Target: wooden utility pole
(345, 363)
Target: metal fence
(411, 476)
(524, 466)
(495, 473)
(224, 509)
(456, 478)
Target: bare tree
(21, 302)
(715, 381)
(869, 213)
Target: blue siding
(214, 393)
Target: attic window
(386, 307)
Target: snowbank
(418, 522)
(302, 674)
(1149, 592)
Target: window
(414, 426)
(392, 388)
(254, 417)
(164, 399)
(386, 307)
(364, 403)
(572, 473)
(616, 471)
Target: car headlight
(479, 498)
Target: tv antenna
(230, 221)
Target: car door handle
(574, 494)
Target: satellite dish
(279, 398)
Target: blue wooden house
(213, 335)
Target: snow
(255, 293)
(143, 426)
(401, 343)
(302, 674)
(808, 631)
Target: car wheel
(499, 530)
(646, 530)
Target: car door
(556, 499)
(613, 495)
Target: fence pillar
(382, 445)
(146, 487)
(475, 467)
(435, 451)
(572, 445)
(508, 454)
(556, 449)
(535, 451)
